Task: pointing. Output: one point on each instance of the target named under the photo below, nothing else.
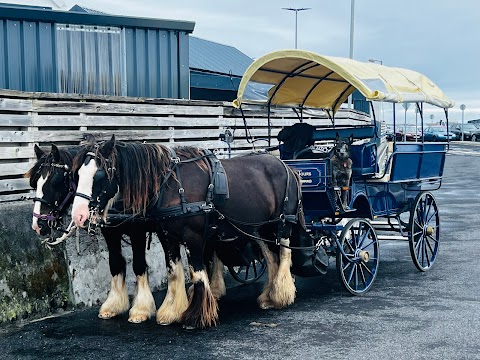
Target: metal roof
(217, 58)
(83, 9)
(72, 17)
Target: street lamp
(463, 107)
(352, 32)
(296, 19)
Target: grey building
(215, 70)
(93, 53)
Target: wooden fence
(41, 118)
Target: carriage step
(392, 237)
(382, 222)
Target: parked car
(412, 133)
(438, 133)
(390, 132)
(469, 131)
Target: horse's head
(50, 177)
(343, 147)
(97, 182)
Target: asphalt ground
(406, 315)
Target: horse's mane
(42, 167)
(140, 167)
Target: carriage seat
(299, 137)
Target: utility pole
(296, 19)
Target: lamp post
(352, 33)
(296, 19)
(463, 107)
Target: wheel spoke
(366, 268)
(255, 268)
(364, 281)
(368, 245)
(364, 237)
(431, 217)
(351, 274)
(246, 271)
(346, 266)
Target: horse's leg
(264, 300)
(143, 304)
(217, 282)
(282, 292)
(117, 301)
(202, 308)
(175, 302)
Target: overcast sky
(439, 38)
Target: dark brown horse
(173, 188)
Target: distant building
(215, 70)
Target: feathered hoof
(166, 317)
(264, 302)
(282, 292)
(106, 315)
(137, 316)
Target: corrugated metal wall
(27, 56)
(47, 57)
(157, 63)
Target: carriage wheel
(424, 231)
(250, 273)
(358, 264)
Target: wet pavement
(406, 315)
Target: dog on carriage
(342, 166)
(297, 141)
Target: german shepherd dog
(342, 166)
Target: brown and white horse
(264, 203)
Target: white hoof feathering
(117, 301)
(282, 292)
(175, 302)
(217, 282)
(143, 305)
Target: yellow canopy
(303, 78)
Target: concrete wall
(36, 281)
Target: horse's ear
(55, 152)
(107, 148)
(350, 139)
(38, 152)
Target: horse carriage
(288, 214)
(387, 195)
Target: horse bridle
(54, 215)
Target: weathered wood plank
(16, 152)
(14, 185)
(15, 105)
(141, 135)
(123, 108)
(13, 120)
(16, 136)
(16, 197)
(14, 94)
(14, 168)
